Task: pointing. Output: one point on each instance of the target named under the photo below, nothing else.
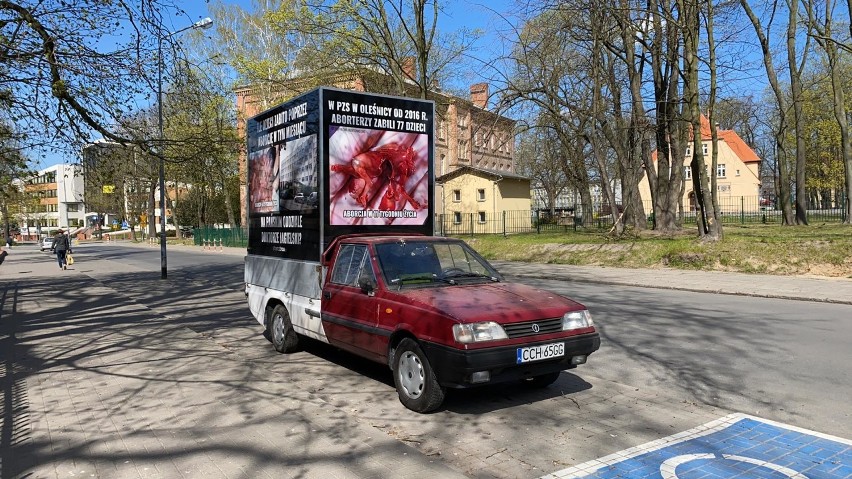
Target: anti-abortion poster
(379, 153)
(283, 180)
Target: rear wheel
(543, 380)
(415, 381)
(280, 330)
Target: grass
(819, 249)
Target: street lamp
(203, 23)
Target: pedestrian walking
(3, 254)
(62, 247)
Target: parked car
(312, 199)
(46, 243)
(299, 198)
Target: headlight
(471, 333)
(577, 320)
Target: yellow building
(477, 200)
(737, 172)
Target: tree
(781, 160)
(824, 35)
(60, 79)
(709, 226)
(540, 157)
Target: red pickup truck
(440, 316)
(355, 266)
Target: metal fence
(237, 237)
(734, 210)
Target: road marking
(737, 445)
(667, 469)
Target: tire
(414, 379)
(280, 330)
(543, 380)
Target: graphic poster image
(263, 170)
(377, 177)
(298, 179)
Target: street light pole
(203, 23)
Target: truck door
(349, 313)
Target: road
(669, 361)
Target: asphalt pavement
(94, 383)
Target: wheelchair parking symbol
(669, 466)
(733, 446)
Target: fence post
(471, 225)
(537, 222)
(742, 209)
(504, 223)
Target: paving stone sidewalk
(94, 384)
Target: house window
(687, 172)
(704, 149)
(688, 151)
(480, 194)
(462, 150)
(482, 217)
(738, 172)
(457, 217)
(442, 129)
(720, 170)
(456, 196)
(72, 207)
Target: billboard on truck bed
(334, 162)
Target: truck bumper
(455, 367)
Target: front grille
(545, 326)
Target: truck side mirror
(367, 285)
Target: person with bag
(62, 248)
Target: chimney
(408, 67)
(479, 95)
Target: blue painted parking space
(736, 446)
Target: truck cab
(440, 316)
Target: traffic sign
(733, 446)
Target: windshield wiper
(471, 274)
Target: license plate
(539, 353)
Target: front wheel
(414, 379)
(280, 330)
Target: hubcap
(411, 375)
(278, 328)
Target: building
(468, 136)
(479, 200)
(57, 201)
(737, 172)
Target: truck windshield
(420, 262)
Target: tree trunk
(229, 208)
(670, 136)
(798, 115)
(708, 226)
(783, 184)
(711, 118)
(152, 219)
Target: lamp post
(203, 23)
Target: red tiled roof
(737, 145)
